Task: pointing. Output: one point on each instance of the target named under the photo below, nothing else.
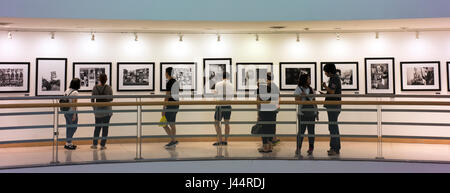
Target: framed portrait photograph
(347, 71)
(89, 72)
(420, 76)
(51, 76)
(290, 73)
(135, 76)
(380, 75)
(184, 72)
(248, 75)
(213, 69)
(14, 77)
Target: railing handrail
(236, 102)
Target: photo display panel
(135, 76)
(89, 72)
(14, 77)
(51, 76)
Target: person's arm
(75, 109)
(165, 100)
(329, 90)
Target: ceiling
(91, 25)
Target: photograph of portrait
(184, 72)
(290, 73)
(421, 76)
(249, 74)
(135, 76)
(213, 69)
(51, 76)
(348, 73)
(89, 72)
(380, 75)
(14, 77)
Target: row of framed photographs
(140, 76)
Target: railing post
(379, 134)
(55, 135)
(139, 132)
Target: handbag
(163, 121)
(256, 129)
(65, 101)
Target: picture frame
(14, 77)
(135, 76)
(247, 74)
(185, 72)
(380, 75)
(51, 76)
(349, 73)
(420, 75)
(213, 69)
(448, 76)
(88, 73)
(290, 73)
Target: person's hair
(303, 80)
(330, 68)
(226, 75)
(102, 78)
(75, 84)
(169, 71)
(269, 76)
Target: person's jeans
(104, 129)
(268, 128)
(335, 141)
(70, 131)
(302, 128)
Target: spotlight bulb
(9, 35)
(93, 37)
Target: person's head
(226, 75)
(169, 72)
(75, 84)
(103, 78)
(329, 69)
(304, 80)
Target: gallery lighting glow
(135, 37)
(93, 37)
(9, 35)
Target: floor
(13, 157)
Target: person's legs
(311, 131)
(98, 120)
(105, 130)
(334, 130)
(302, 128)
(217, 119)
(226, 117)
(68, 129)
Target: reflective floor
(10, 157)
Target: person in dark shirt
(333, 87)
(172, 87)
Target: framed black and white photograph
(380, 75)
(184, 72)
(290, 73)
(135, 76)
(14, 77)
(213, 69)
(248, 75)
(51, 76)
(420, 76)
(89, 72)
(347, 71)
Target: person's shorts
(223, 114)
(171, 116)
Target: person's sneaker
(333, 152)
(171, 144)
(70, 147)
(103, 148)
(224, 143)
(93, 147)
(310, 151)
(276, 142)
(216, 144)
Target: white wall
(121, 47)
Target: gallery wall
(275, 48)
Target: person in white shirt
(223, 91)
(71, 117)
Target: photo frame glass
(290, 74)
(347, 71)
(51, 77)
(213, 70)
(14, 77)
(135, 76)
(88, 73)
(184, 73)
(380, 76)
(248, 75)
(420, 76)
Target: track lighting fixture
(92, 36)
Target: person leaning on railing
(334, 87)
(304, 88)
(101, 117)
(71, 118)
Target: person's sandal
(261, 150)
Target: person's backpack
(101, 93)
(65, 101)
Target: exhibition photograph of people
(225, 86)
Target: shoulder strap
(70, 93)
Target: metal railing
(291, 104)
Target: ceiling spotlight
(9, 35)
(338, 36)
(298, 37)
(52, 35)
(92, 36)
(377, 35)
(135, 37)
(417, 35)
(181, 38)
(218, 37)
(257, 37)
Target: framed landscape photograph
(347, 71)
(51, 76)
(14, 77)
(213, 69)
(290, 73)
(380, 75)
(135, 76)
(420, 76)
(184, 72)
(89, 72)
(248, 75)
